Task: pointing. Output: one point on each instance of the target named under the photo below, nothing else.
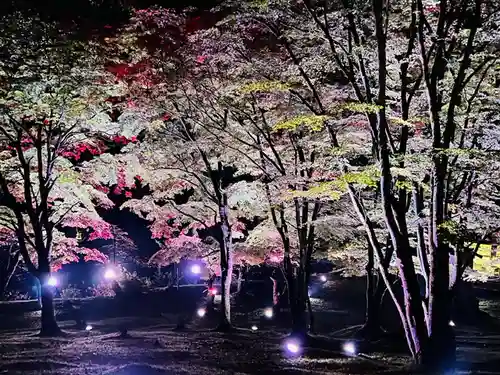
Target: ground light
(349, 348)
(451, 323)
(254, 328)
(293, 347)
(268, 313)
(196, 269)
(201, 312)
(110, 274)
(52, 281)
(88, 327)
(323, 278)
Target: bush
(103, 290)
(16, 296)
(71, 292)
(131, 283)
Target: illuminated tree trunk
(240, 279)
(275, 296)
(49, 326)
(226, 264)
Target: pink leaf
(201, 59)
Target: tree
(160, 34)
(43, 101)
(404, 124)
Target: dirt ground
(156, 348)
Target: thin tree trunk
(226, 263)
(372, 321)
(311, 316)
(10, 269)
(240, 279)
(381, 261)
(275, 296)
(210, 296)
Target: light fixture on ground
(88, 327)
(349, 348)
(110, 274)
(195, 269)
(293, 347)
(254, 328)
(201, 312)
(323, 278)
(268, 312)
(52, 281)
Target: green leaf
(264, 86)
(314, 123)
(357, 107)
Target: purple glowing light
(52, 281)
(110, 274)
(268, 313)
(293, 347)
(201, 312)
(349, 348)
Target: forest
(259, 133)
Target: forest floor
(154, 347)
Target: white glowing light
(52, 281)
(268, 313)
(110, 274)
(323, 278)
(451, 323)
(349, 348)
(88, 327)
(201, 312)
(254, 328)
(196, 269)
(292, 347)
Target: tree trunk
(441, 352)
(49, 326)
(298, 305)
(8, 272)
(311, 316)
(226, 263)
(372, 322)
(275, 296)
(210, 297)
(240, 279)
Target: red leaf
(201, 59)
